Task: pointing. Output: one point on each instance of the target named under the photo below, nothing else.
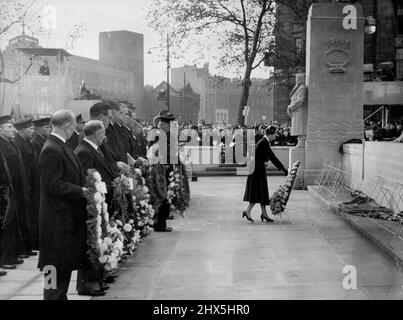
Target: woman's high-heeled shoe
(266, 218)
(244, 215)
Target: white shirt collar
(267, 139)
(92, 144)
(59, 137)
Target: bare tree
(12, 12)
(242, 30)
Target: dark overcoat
(91, 159)
(257, 190)
(62, 213)
(16, 168)
(38, 142)
(31, 166)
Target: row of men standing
(21, 144)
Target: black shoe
(23, 256)
(167, 229)
(8, 266)
(32, 254)
(171, 217)
(104, 288)
(109, 280)
(244, 215)
(18, 261)
(96, 293)
(265, 218)
(3, 273)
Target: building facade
(184, 103)
(220, 96)
(111, 77)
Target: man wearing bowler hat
(22, 140)
(42, 132)
(165, 118)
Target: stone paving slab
(214, 254)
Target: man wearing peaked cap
(22, 140)
(42, 132)
(5, 119)
(15, 236)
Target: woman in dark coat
(256, 187)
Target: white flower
(105, 208)
(177, 176)
(138, 171)
(99, 241)
(97, 176)
(99, 220)
(108, 241)
(152, 212)
(98, 198)
(99, 208)
(134, 198)
(99, 232)
(145, 189)
(103, 259)
(131, 221)
(119, 223)
(103, 248)
(172, 185)
(127, 227)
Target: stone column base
(298, 154)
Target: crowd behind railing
(283, 131)
(375, 131)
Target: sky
(109, 15)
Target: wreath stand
(286, 196)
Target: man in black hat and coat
(22, 140)
(165, 118)
(42, 131)
(63, 215)
(15, 243)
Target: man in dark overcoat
(63, 215)
(42, 132)
(78, 134)
(19, 183)
(22, 140)
(90, 281)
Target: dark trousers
(62, 287)
(162, 215)
(10, 242)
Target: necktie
(100, 152)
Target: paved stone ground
(214, 254)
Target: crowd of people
(43, 168)
(282, 134)
(389, 132)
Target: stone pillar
(334, 77)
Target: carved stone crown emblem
(337, 55)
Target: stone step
(234, 173)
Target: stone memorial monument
(297, 110)
(334, 77)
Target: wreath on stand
(104, 240)
(280, 198)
